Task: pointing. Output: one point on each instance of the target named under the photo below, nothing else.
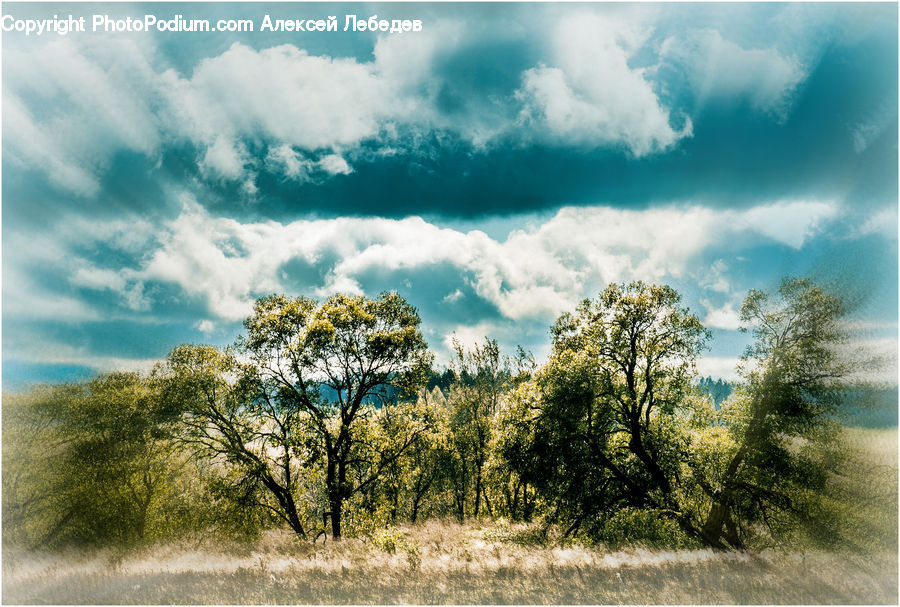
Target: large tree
(792, 374)
(597, 425)
(292, 394)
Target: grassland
(444, 562)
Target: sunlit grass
(444, 562)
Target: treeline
(329, 419)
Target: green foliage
(301, 406)
(630, 526)
(780, 420)
(318, 419)
(93, 463)
(598, 427)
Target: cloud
(719, 69)
(534, 273)
(789, 222)
(883, 221)
(334, 164)
(224, 158)
(50, 352)
(281, 94)
(590, 96)
(722, 367)
(205, 326)
(872, 126)
(292, 164)
(68, 108)
(724, 317)
(96, 100)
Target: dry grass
(448, 563)
(443, 562)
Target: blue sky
(494, 168)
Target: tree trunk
(656, 473)
(337, 495)
(477, 491)
(336, 506)
(719, 524)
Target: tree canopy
(328, 418)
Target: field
(444, 562)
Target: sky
(494, 168)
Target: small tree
(481, 377)
(792, 375)
(262, 446)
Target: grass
(444, 562)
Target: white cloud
(724, 317)
(224, 158)
(882, 221)
(719, 367)
(591, 96)
(300, 168)
(205, 326)
(95, 100)
(713, 277)
(469, 336)
(789, 222)
(534, 273)
(98, 278)
(720, 69)
(454, 297)
(68, 108)
(334, 164)
(281, 94)
(30, 144)
(48, 352)
(871, 127)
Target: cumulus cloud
(282, 108)
(95, 100)
(721, 69)
(292, 164)
(224, 158)
(724, 317)
(533, 273)
(281, 94)
(789, 222)
(723, 367)
(591, 96)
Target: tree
(222, 418)
(292, 394)
(481, 376)
(89, 463)
(598, 425)
(792, 376)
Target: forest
(329, 421)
